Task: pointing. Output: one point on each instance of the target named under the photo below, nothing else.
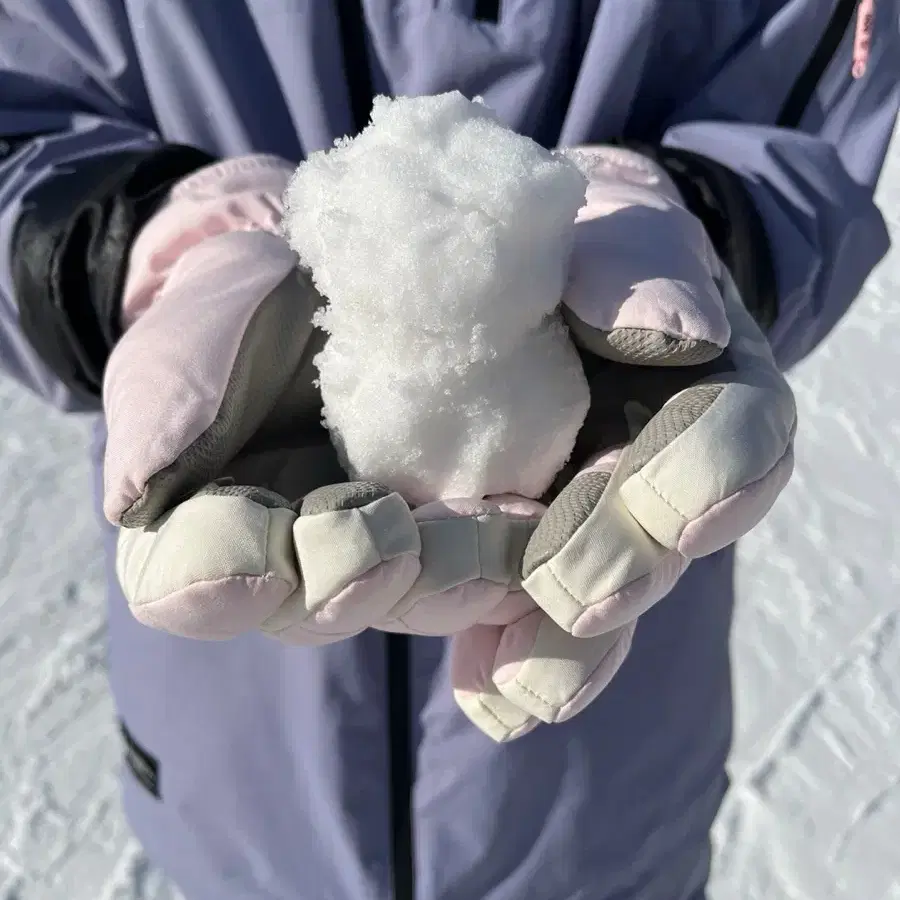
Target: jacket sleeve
(81, 169)
(793, 212)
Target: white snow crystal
(441, 240)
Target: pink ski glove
(687, 444)
(235, 513)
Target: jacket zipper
(805, 86)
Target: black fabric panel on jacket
(487, 11)
(12, 143)
(794, 108)
(70, 252)
(718, 197)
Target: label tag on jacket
(143, 766)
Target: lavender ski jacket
(259, 771)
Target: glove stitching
(519, 683)
(493, 715)
(551, 706)
(588, 605)
(576, 600)
(621, 639)
(669, 503)
(640, 472)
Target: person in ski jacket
(349, 768)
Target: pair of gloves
(235, 515)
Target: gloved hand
(684, 449)
(687, 444)
(217, 467)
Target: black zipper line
(402, 764)
(354, 47)
(805, 86)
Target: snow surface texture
(441, 240)
(815, 807)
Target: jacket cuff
(719, 198)
(70, 250)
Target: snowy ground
(815, 809)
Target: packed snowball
(441, 242)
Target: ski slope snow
(814, 812)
